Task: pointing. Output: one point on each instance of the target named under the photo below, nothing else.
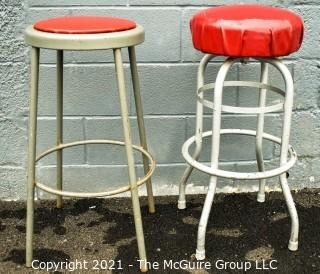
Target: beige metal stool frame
(217, 108)
(60, 42)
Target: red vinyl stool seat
(247, 31)
(84, 24)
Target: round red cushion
(247, 31)
(84, 24)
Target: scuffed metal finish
(213, 169)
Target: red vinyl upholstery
(245, 30)
(84, 24)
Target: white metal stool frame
(116, 41)
(217, 108)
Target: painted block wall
(167, 66)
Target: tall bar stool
(87, 33)
(240, 32)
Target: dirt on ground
(95, 234)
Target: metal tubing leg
(142, 132)
(59, 139)
(199, 128)
(293, 242)
(129, 152)
(216, 125)
(32, 135)
(200, 252)
(260, 126)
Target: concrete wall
(167, 65)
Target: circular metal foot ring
(239, 175)
(95, 194)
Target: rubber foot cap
(59, 204)
(261, 197)
(182, 204)
(200, 255)
(293, 246)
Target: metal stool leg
(142, 132)
(32, 135)
(59, 138)
(293, 242)
(260, 125)
(199, 128)
(216, 125)
(129, 152)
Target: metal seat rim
(95, 41)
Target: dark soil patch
(239, 229)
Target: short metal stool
(240, 32)
(87, 33)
